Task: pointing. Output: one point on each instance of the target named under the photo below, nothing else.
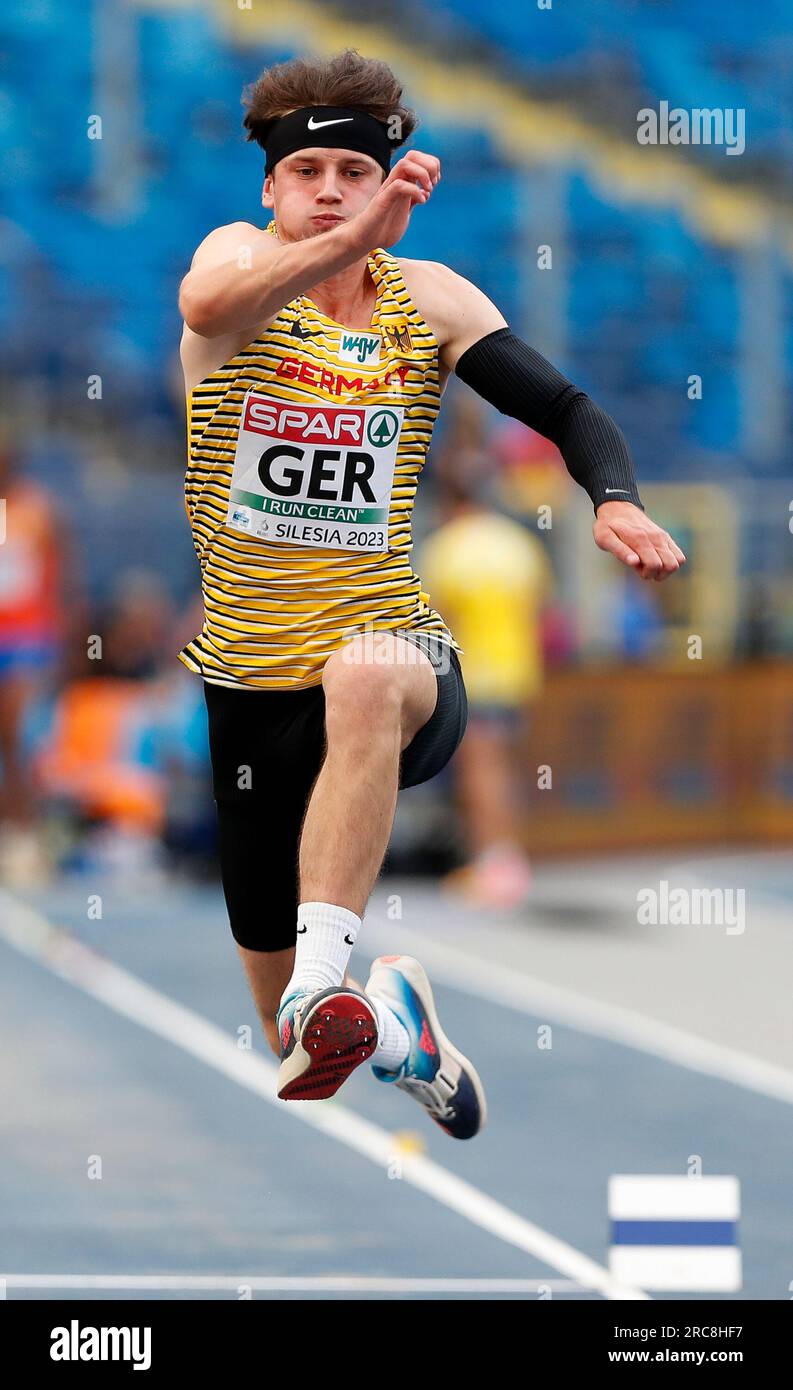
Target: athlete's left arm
(477, 344)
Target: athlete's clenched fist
(384, 221)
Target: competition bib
(315, 474)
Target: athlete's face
(315, 190)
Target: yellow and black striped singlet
(274, 611)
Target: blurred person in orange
(99, 759)
(492, 577)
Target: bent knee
(361, 690)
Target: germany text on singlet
(304, 454)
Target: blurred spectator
(123, 762)
(530, 471)
(490, 579)
(95, 755)
(136, 627)
(32, 632)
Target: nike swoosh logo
(317, 125)
(298, 331)
(300, 930)
(349, 943)
(623, 490)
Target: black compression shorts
(267, 748)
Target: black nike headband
(331, 127)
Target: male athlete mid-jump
(314, 362)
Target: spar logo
(304, 425)
(321, 424)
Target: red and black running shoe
(324, 1037)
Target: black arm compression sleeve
(520, 382)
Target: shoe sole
(336, 1036)
(415, 974)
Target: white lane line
(259, 1283)
(31, 933)
(507, 987)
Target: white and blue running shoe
(435, 1073)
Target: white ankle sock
(393, 1042)
(326, 935)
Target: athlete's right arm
(241, 276)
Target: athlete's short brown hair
(347, 79)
